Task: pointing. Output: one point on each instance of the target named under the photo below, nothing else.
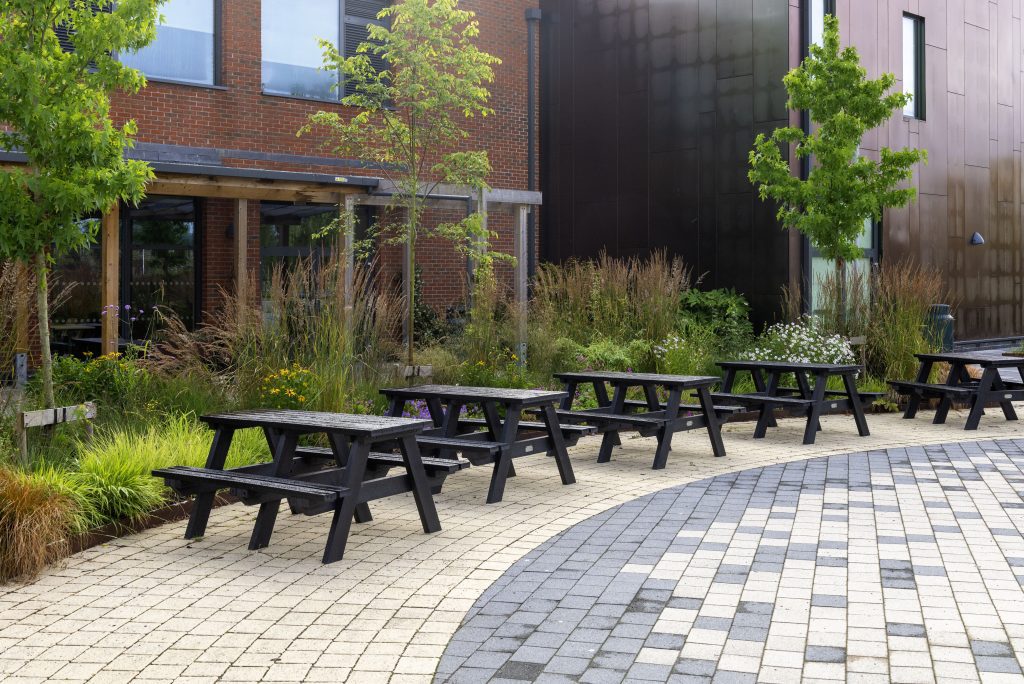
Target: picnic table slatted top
(984, 358)
(638, 378)
(475, 394)
(315, 421)
(790, 366)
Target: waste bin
(939, 327)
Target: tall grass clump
(583, 310)
(35, 522)
(343, 334)
(615, 298)
(902, 293)
(114, 469)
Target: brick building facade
(231, 139)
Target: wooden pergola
(242, 185)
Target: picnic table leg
(494, 429)
(850, 383)
(504, 460)
(345, 509)
(651, 395)
(817, 399)
(711, 417)
(570, 390)
(728, 379)
(914, 400)
(956, 372)
(341, 449)
(420, 486)
(611, 438)
(558, 445)
(767, 414)
(805, 390)
(203, 504)
(284, 450)
(396, 407)
(666, 431)
(988, 380)
(601, 394)
(1007, 405)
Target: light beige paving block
(397, 585)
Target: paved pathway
(155, 607)
(895, 565)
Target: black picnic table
(996, 385)
(499, 436)
(650, 416)
(810, 397)
(341, 478)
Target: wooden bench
(377, 459)
(760, 399)
(927, 389)
(251, 489)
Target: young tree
(414, 81)
(843, 188)
(55, 108)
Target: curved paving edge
(896, 564)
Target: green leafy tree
(55, 108)
(843, 188)
(417, 79)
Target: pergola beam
(110, 279)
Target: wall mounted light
(977, 239)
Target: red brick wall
(238, 116)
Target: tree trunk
(410, 285)
(843, 304)
(43, 304)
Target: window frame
(920, 82)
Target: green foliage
(410, 114)
(719, 320)
(843, 188)
(428, 326)
(504, 370)
(606, 354)
(55, 109)
(127, 390)
(35, 521)
(693, 351)
(288, 388)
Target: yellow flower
(290, 392)
(275, 391)
(302, 399)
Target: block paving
(784, 599)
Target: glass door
(158, 264)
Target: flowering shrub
(288, 388)
(801, 342)
(112, 379)
(690, 352)
(503, 371)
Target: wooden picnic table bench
(504, 435)
(992, 387)
(810, 399)
(313, 480)
(650, 417)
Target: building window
(913, 65)
(185, 45)
(816, 23)
(292, 56)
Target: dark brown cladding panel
(649, 111)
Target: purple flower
(127, 307)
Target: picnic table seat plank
(188, 480)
